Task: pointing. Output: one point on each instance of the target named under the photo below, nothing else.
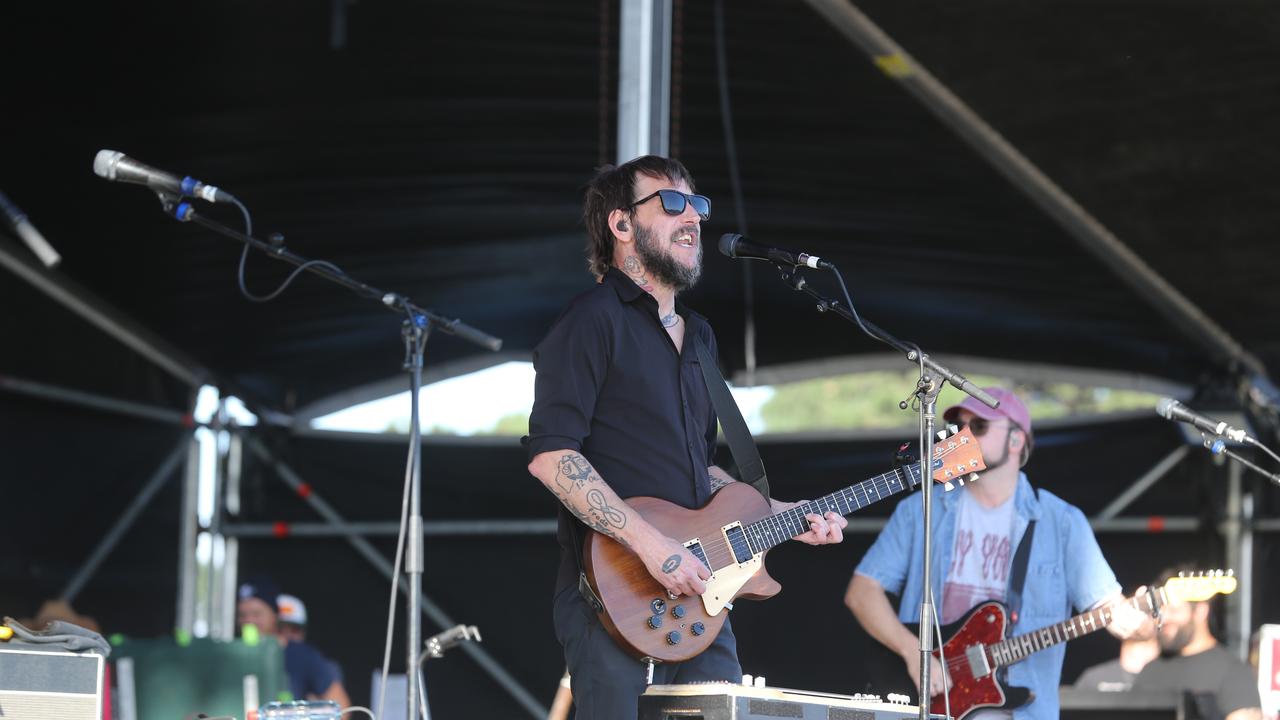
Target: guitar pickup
(737, 539)
(695, 547)
(977, 657)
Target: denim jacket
(1065, 570)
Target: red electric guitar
(730, 535)
(977, 646)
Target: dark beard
(1174, 645)
(664, 267)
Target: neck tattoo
(670, 320)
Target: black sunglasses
(978, 425)
(674, 203)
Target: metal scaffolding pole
(100, 314)
(1233, 532)
(897, 64)
(93, 401)
(644, 78)
(366, 549)
(125, 521)
(439, 528)
(1141, 485)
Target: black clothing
(1221, 683)
(611, 385)
(1109, 676)
(607, 682)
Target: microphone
(1171, 409)
(118, 167)
(738, 246)
(29, 234)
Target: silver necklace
(670, 320)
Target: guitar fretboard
(1019, 647)
(777, 529)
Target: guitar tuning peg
(948, 486)
(973, 477)
(953, 429)
(942, 434)
(1231, 572)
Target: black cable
(244, 256)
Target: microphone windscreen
(729, 244)
(104, 163)
(1164, 408)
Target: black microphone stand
(1217, 445)
(926, 393)
(415, 330)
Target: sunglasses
(674, 202)
(978, 425)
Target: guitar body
(972, 685)
(628, 592)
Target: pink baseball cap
(1010, 407)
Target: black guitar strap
(741, 446)
(1018, 571)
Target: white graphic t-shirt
(979, 566)
(980, 560)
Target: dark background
(440, 151)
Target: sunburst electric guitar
(731, 535)
(977, 646)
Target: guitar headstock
(957, 458)
(1200, 586)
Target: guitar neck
(1020, 647)
(778, 528)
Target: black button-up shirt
(611, 385)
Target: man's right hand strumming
(912, 659)
(672, 565)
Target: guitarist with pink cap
(999, 540)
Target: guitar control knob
(658, 606)
(673, 638)
(698, 628)
(655, 621)
(677, 612)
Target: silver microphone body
(118, 167)
(1171, 409)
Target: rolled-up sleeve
(1089, 577)
(570, 366)
(887, 560)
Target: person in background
(1117, 675)
(1192, 660)
(312, 676)
(293, 623)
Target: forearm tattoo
(593, 508)
(719, 482)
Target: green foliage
(513, 425)
(862, 401)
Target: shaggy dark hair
(613, 187)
